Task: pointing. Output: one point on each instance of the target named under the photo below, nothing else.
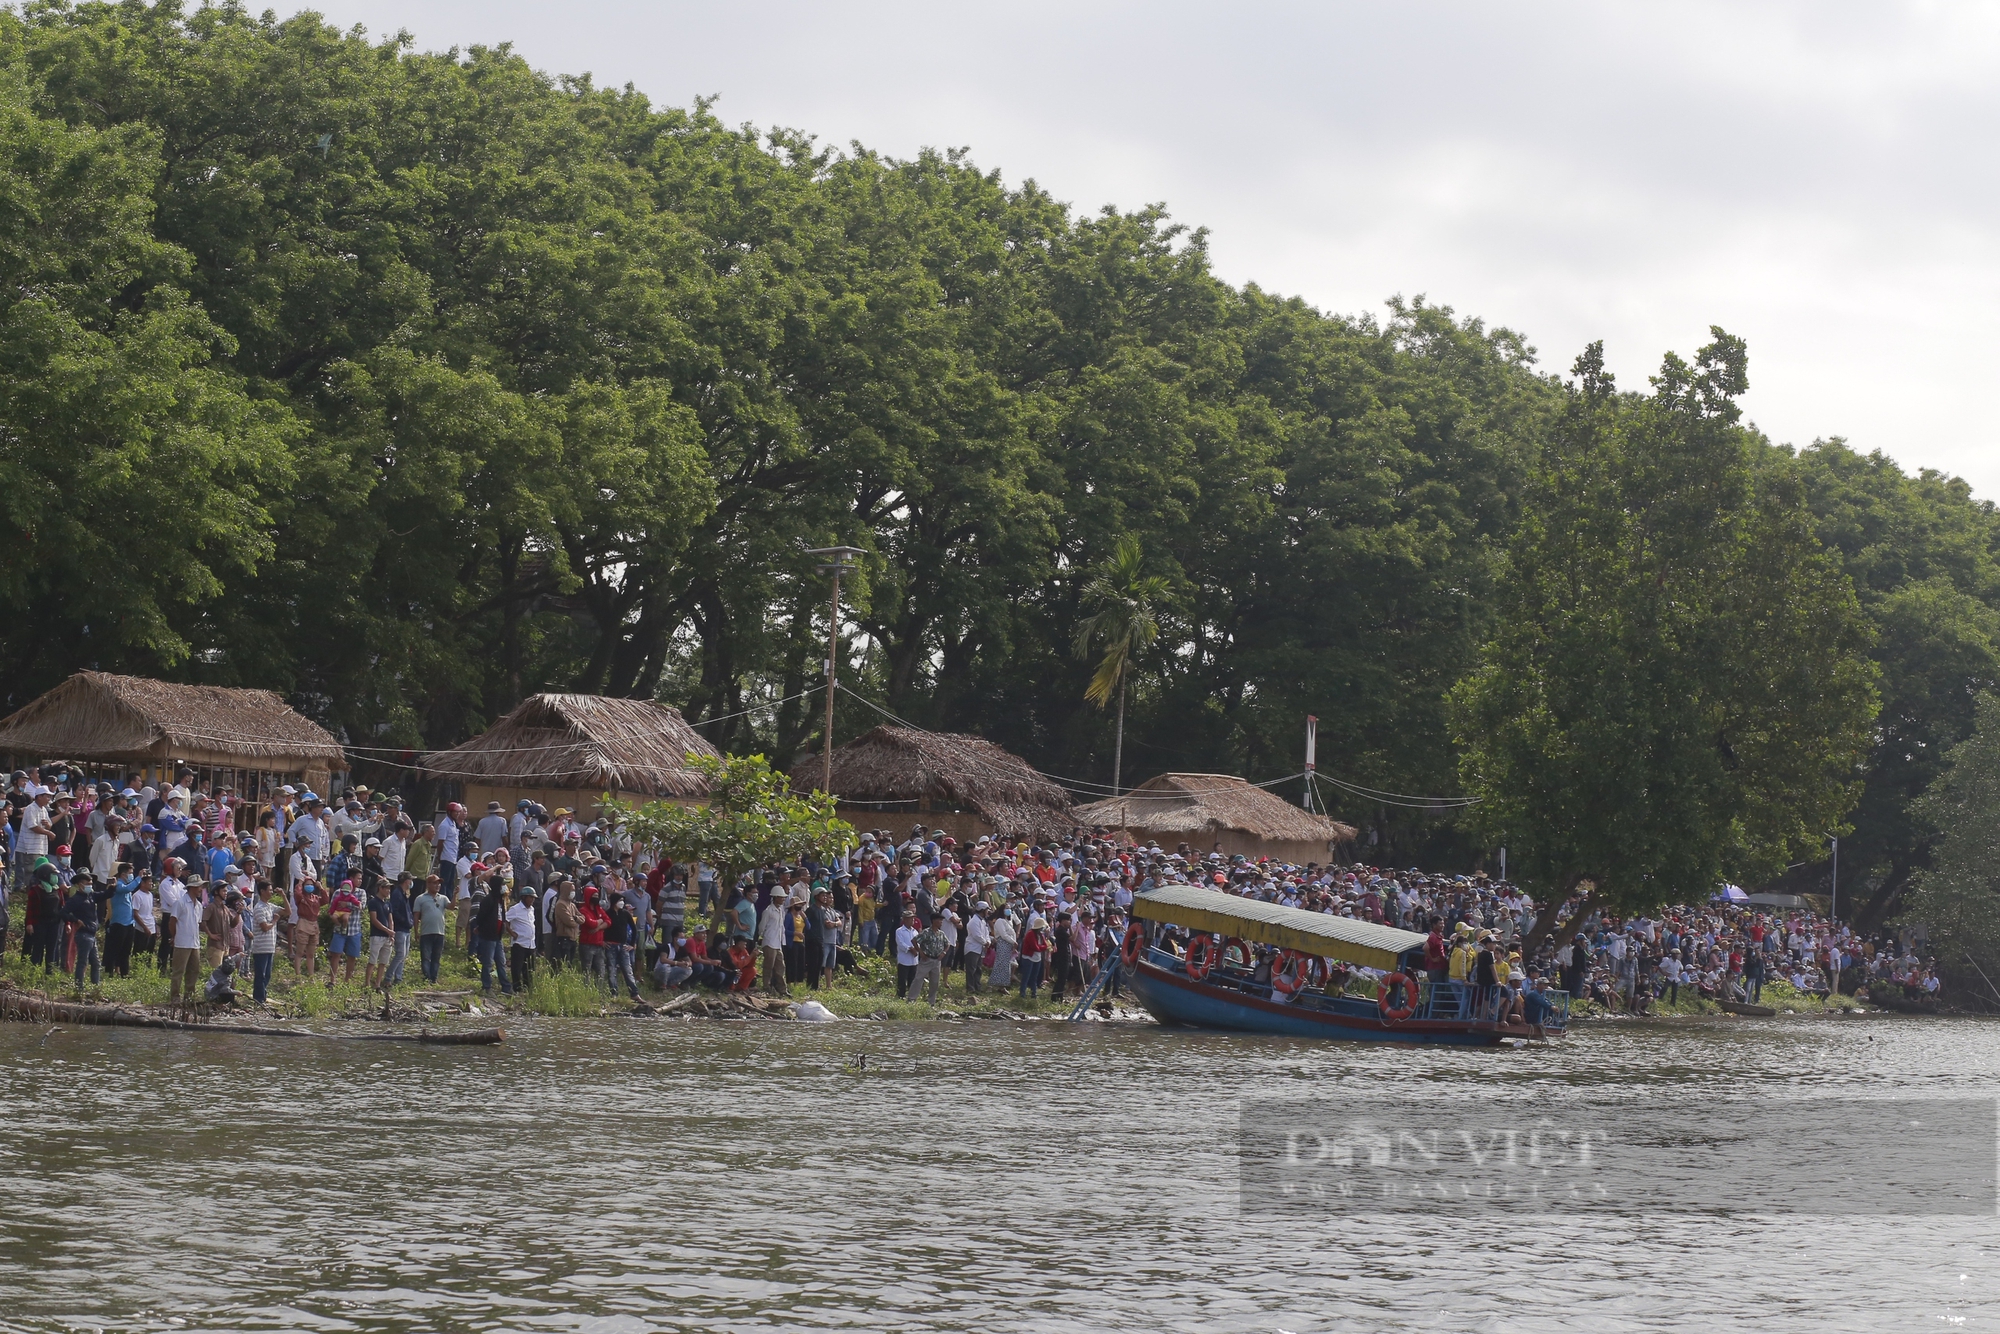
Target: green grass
(559, 993)
(873, 991)
(562, 992)
(1778, 995)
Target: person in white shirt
(184, 906)
(32, 843)
(104, 851)
(310, 831)
(145, 928)
(1083, 945)
(299, 867)
(395, 850)
(260, 924)
(352, 819)
(771, 936)
(978, 935)
(906, 951)
(521, 926)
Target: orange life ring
(1317, 972)
(1387, 985)
(1134, 946)
(1288, 974)
(1242, 947)
(1201, 956)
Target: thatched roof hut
(246, 738)
(567, 750)
(1218, 812)
(963, 784)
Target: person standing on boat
(1436, 963)
(1485, 972)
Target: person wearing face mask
(565, 926)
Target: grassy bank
(870, 992)
(1778, 995)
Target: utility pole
(1312, 754)
(1833, 910)
(841, 562)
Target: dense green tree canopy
(1675, 690)
(407, 384)
(1958, 897)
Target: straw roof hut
(568, 750)
(246, 738)
(964, 785)
(1218, 813)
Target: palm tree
(1124, 626)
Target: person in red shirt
(590, 935)
(345, 942)
(744, 960)
(305, 931)
(1436, 963)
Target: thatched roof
(99, 716)
(1182, 804)
(582, 741)
(951, 768)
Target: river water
(661, 1175)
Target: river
(663, 1175)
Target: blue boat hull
(1174, 998)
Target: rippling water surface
(617, 1176)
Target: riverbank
(1777, 996)
(867, 993)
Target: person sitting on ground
(671, 968)
(219, 989)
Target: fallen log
(32, 1008)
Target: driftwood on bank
(32, 1007)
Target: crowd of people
(113, 872)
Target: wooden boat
(1739, 1007)
(1221, 982)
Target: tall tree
(1924, 556)
(1958, 897)
(1123, 623)
(1678, 687)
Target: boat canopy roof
(1366, 943)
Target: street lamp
(841, 561)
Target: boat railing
(1457, 1002)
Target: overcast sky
(1817, 178)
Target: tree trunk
(1118, 746)
(1882, 904)
(1545, 921)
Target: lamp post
(841, 561)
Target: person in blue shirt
(118, 936)
(220, 859)
(80, 913)
(402, 916)
(170, 823)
